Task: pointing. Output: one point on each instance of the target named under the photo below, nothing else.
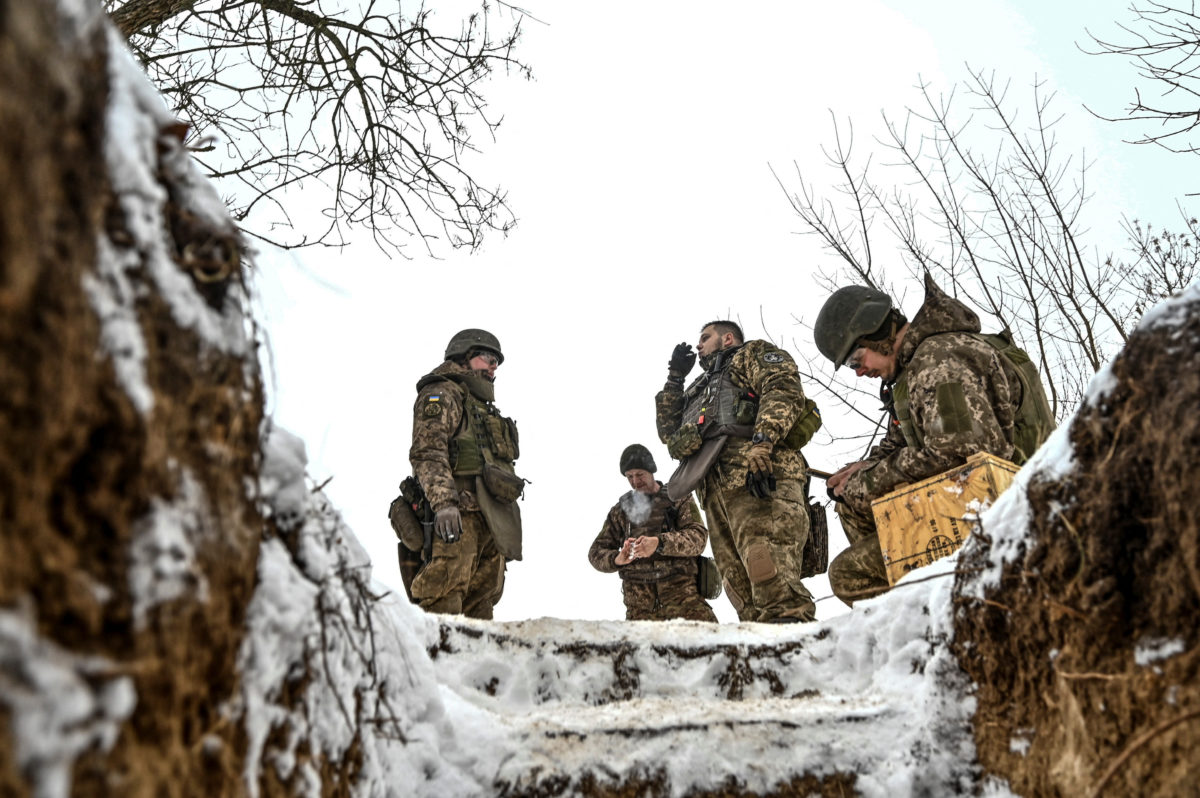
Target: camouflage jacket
(681, 536)
(770, 374)
(963, 398)
(437, 417)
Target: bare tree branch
(374, 112)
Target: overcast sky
(639, 161)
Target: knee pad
(759, 565)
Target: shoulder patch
(433, 405)
(772, 356)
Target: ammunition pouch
(806, 426)
(504, 486)
(403, 515)
(685, 442)
(708, 578)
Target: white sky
(637, 162)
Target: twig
(1135, 745)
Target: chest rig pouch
(485, 446)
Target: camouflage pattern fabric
(858, 572)
(665, 599)
(639, 514)
(437, 415)
(758, 545)
(663, 585)
(771, 375)
(962, 399)
(465, 577)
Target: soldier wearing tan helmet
(951, 392)
(652, 543)
(462, 456)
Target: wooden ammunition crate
(924, 521)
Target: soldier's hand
(625, 555)
(644, 546)
(760, 479)
(682, 360)
(447, 523)
(836, 483)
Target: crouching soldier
(951, 392)
(652, 544)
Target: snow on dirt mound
(1081, 612)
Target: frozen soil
(1085, 655)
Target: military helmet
(466, 341)
(637, 456)
(849, 314)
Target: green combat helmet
(467, 340)
(850, 313)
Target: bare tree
(993, 210)
(376, 109)
(1163, 41)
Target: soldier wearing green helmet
(951, 392)
(462, 456)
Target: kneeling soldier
(652, 543)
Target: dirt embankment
(1086, 656)
(80, 465)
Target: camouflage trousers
(675, 597)
(465, 577)
(858, 572)
(758, 545)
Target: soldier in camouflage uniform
(951, 392)
(652, 543)
(737, 415)
(462, 455)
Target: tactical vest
(1034, 421)
(663, 517)
(483, 436)
(719, 407)
(716, 405)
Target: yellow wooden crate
(924, 521)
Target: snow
(163, 558)
(453, 706)
(1151, 650)
(135, 117)
(60, 704)
(1172, 312)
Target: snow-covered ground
(468, 705)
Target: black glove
(447, 523)
(760, 484)
(682, 360)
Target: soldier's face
(869, 363)
(485, 363)
(641, 480)
(712, 341)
